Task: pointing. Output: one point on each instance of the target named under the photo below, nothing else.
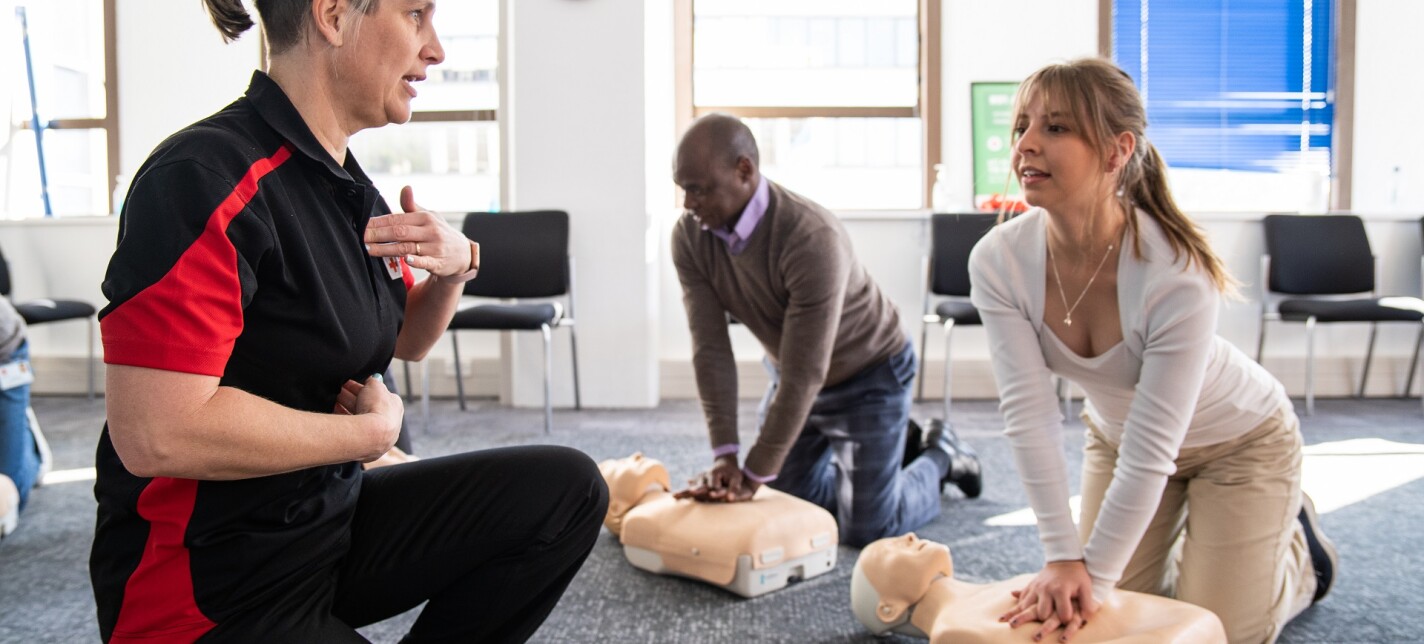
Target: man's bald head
(721, 137)
(717, 169)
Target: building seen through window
(830, 88)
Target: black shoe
(914, 444)
(1323, 556)
(964, 470)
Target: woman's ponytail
(230, 17)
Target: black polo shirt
(240, 255)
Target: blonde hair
(1103, 102)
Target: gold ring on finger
(417, 248)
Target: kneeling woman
(1107, 283)
(259, 281)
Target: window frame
(928, 109)
(1343, 129)
(110, 121)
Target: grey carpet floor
(1379, 597)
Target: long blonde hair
(1103, 103)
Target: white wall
(1389, 153)
(173, 70)
(574, 139)
(589, 129)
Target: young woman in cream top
(1107, 283)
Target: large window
(450, 152)
(1241, 93)
(839, 93)
(71, 55)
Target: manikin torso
(748, 548)
(906, 584)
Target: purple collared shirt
(733, 448)
(737, 237)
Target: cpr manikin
(749, 548)
(906, 585)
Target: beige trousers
(1226, 535)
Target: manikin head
(891, 576)
(629, 482)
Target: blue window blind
(1233, 84)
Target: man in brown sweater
(833, 421)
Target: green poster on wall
(991, 107)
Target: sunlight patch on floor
(1335, 475)
(69, 476)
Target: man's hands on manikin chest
(724, 482)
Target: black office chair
(1313, 264)
(44, 311)
(522, 255)
(952, 236)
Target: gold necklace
(1068, 317)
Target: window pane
(453, 167)
(805, 53)
(469, 32)
(67, 46)
(76, 162)
(1252, 91)
(845, 163)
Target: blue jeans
(847, 457)
(19, 456)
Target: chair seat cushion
(1386, 309)
(960, 311)
(41, 311)
(507, 316)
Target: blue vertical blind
(1233, 84)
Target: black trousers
(491, 539)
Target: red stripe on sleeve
(159, 605)
(189, 320)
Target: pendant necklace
(1068, 317)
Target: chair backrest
(522, 254)
(1318, 255)
(952, 236)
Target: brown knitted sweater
(800, 290)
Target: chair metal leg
(1065, 394)
(573, 355)
(90, 320)
(1310, 366)
(1261, 339)
(548, 367)
(1414, 363)
(924, 336)
(405, 375)
(459, 376)
(948, 368)
(1369, 357)
(425, 394)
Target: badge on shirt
(15, 374)
(393, 267)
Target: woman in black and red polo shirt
(258, 283)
